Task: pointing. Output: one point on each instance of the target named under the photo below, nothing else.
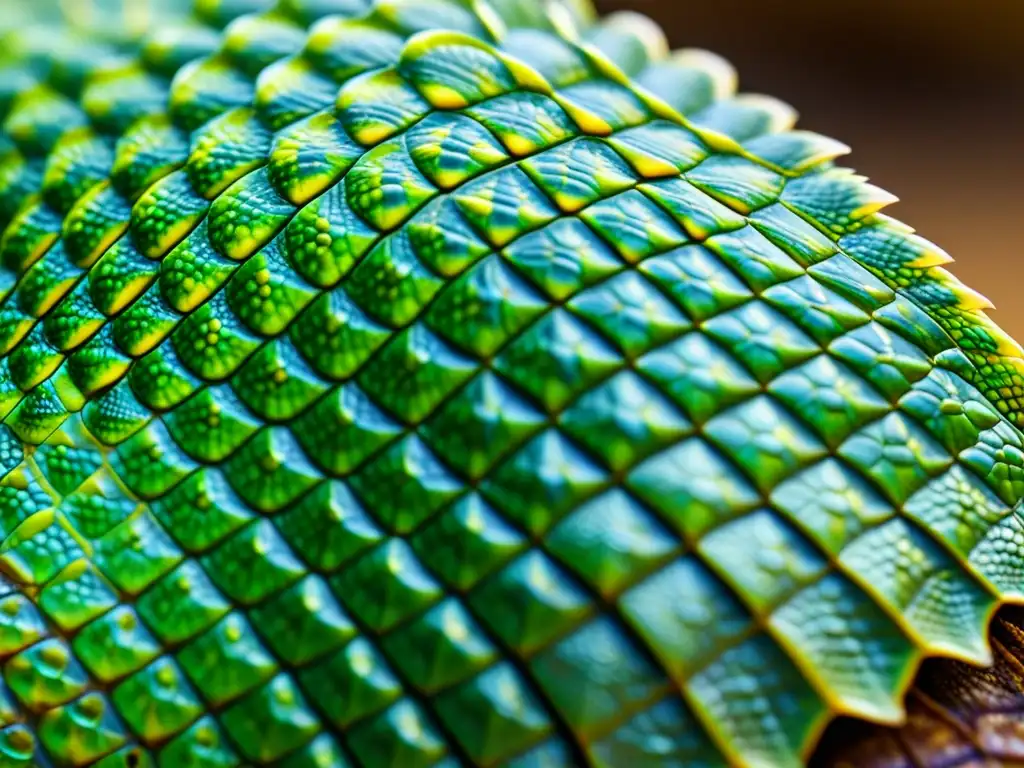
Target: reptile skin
(407, 383)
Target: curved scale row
(467, 383)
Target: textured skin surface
(428, 382)
(957, 715)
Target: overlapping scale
(426, 382)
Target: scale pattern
(427, 382)
(958, 716)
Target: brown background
(929, 93)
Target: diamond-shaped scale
(375, 393)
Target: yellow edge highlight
(878, 199)
(528, 78)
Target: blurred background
(929, 93)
